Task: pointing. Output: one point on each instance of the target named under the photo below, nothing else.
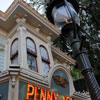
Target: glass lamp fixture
(64, 14)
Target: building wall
(26, 74)
(2, 53)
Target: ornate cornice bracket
(14, 71)
(20, 19)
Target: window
(45, 59)
(14, 52)
(31, 54)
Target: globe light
(64, 14)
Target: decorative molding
(29, 29)
(4, 73)
(82, 96)
(49, 37)
(21, 20)
(33, 76)
(63, 55)
(21, 28)
(14, 71)
(13, 79)
(37, 29)
(3, 33)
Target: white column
(22, 56)
(50, 56)
(7, 55)
(13, 88)
(39, 61)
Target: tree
(38, 5)
(89, 15)
(90, 25)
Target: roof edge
(68, 58)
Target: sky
(4, 4)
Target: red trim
(32, 53)
(48, 62)
(11, 48)
(35, 55)
(12, 56)
(33, 42)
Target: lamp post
(63, 13)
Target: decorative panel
(60, 83)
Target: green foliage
(38, 5)
(90, 22)
(76, 74)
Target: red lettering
(56, 96)
(49, 97)
(43, 95)
(28, 91)
(36, 94)
(68, 98)
(63, 98)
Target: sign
(39, 94)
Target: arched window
(31, 54)
(14, 52)
(45, 60)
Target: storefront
(19, 85)
(59, 81)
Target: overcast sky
(4, 4)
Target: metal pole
(85, 66)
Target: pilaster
(13, 82)
(22, 42)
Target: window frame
(16, 54)
(47, 55)
(43, 60)
(32, 53)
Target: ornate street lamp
(63, 13)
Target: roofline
(64, 55)
(28, 7)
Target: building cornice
(23, 5)
(63, 55)
(4, 76)
(29, 29)
(33, 77)
(82, 96)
